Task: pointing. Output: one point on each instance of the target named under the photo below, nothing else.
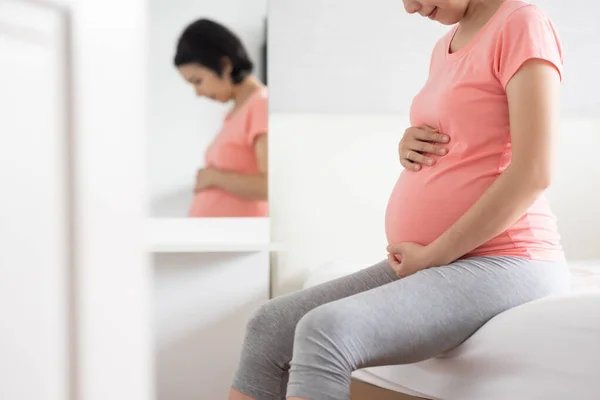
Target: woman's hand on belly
(248, 186)
(205, 178)
(416, 143)
(409, 258)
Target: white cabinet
(210, 277)
(34, 201)
(202, 303)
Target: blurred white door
(34, 201)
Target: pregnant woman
(234, 182)
(470, 233)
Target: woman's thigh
(423, 315)
(278, 318)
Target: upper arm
(262, 153)
(533, 105)
(257, 129)
(529, 67)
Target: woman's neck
(245, 89)
(478, 13)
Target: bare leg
(235, 395)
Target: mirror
(208, 109)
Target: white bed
(548, 349)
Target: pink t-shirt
(465, 98)
(233, 150)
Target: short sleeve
(258, 119)
(527, 34)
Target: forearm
(248, 186)
(501, 205)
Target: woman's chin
(445, 19)
(446, 22)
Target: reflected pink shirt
(233, 150)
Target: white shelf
(210, 235)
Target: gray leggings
(309, 342)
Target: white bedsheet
(547, 350)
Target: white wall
(371, 57)
(331, 176)
(114, 359)
(34, 255)
(181, 125)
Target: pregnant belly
(217, 203)
(423, 205)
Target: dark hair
(208, 43)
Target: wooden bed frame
(365, 391)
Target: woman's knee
(271, 317)
(326, 330)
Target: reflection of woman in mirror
(233, 182)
